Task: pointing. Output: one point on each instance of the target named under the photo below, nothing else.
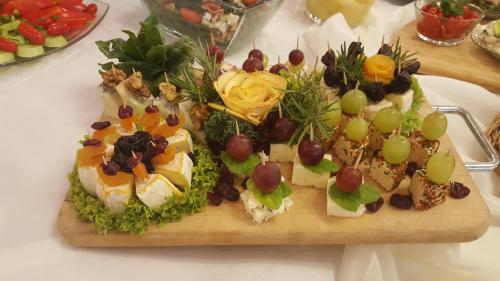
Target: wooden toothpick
(311, 133)
(237, 128)
(166, 77)
(359, 159)
(280, 113)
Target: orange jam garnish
(165, 157)
(120, 178)
(150, 121)
(168, 131)
(140, 171)
(127, 123)
(109, 131)
(90, 156)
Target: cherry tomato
(91, 8)
(430, 26)
(471, 15)
(28, 6)
(72, 15)
(8, 8)
(74, 7)
(43, 21)
(190, 15)
(7, 45)
(455, 27)
(433, 10)
(32, 34)
(57, 28)
(44, 13)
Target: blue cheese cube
(258, 212)
(155, 190)
(333, 209)
(181, 141)
(282, 152)
(178, 171)
(115, 197)
(302, 176)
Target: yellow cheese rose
(379, 68)
(249, 96)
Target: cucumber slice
(18, 38)
(55, 41)
(10, 26)
(29, 51)
(6, 57)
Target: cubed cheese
(333, 209)
(181, 141)
(302, 176)
(376, 138)
(115, 197)
(421, 148)
(88, 177)
(178, 171)
(426, 194)
(344, 119)
(348, 151)
(282, 152)
(386, 175)
(372, 108)
(155, 190)
(258, 212)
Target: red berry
(256, 53)
(253, 64)
(348, 179)
(310, 152)
(217, 52)
(132, 161)
(267, 177)
(296, 57)
(239, 147)
(152, 108)
(100, 125)
(92, 142)
(172, 120)
(284, 129)
(125, 111)
(275, 69)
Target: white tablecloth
(47, 105)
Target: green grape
(332, 117)
(387, 120)
(434, 125)
(353, 102)
(440, 167)
(356, 129)
(396, 149)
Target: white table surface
(46, 107)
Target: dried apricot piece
(120, 178)
(165, 157)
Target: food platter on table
(345, 152)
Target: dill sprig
(305, 104)
(199, 90)
(402, 58)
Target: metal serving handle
(491, 154)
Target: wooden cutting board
(466, 62)
(305, 223)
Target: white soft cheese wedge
(282, 152)
(333, 209)
(178, 171)
(182, 141)
(258, 212)
(88, 177)
(115, 197)
(111, 101)
(403, 101)
(155, 190)
(185, 109)
(372, 108)
(302, 176)
(138, 103)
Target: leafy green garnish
(453, 7)
(240, 168)
(411, 118)
(146, 52)
(221, 126)
(137, 217)
(350, 201)
(322, 167)
(271, 200)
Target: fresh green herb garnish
(411, 118)
(271, 200)
(322, 167)
(402, 58)
(453, 7)
(221, 126)
(352, 66)
(146, 52)
(244, 168)
(137, 217)
(350, 201)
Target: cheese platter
(349, 152)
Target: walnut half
(111, 78)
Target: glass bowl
(229, 24)
(443, 31)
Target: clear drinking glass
(354, 11)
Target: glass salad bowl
(231, 24)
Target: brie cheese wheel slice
(372, 108)
(115, 197)
(178, 171)
(333, 209)
(88, 178)
(182, 141)
(302, 176)
(155, 190)
(111, 101)
(258, 212)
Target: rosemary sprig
(402, 58)
(351, 65)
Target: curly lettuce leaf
(323, 167)
(244, 168)
(271, 200)
(137, 217)
(411, 118)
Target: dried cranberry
(101, 125)
(401, 201)
(125, 111)
(458, 190)
(151, 108)
(159, 148)
(172, 120)
(132, 162)
(157, 139)
(375, 206)
(225, 175)
(110, 168)
(214, 198)
(92, 142)
(232, 194)
(222, 188)
(244, 183)
(411, 168)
